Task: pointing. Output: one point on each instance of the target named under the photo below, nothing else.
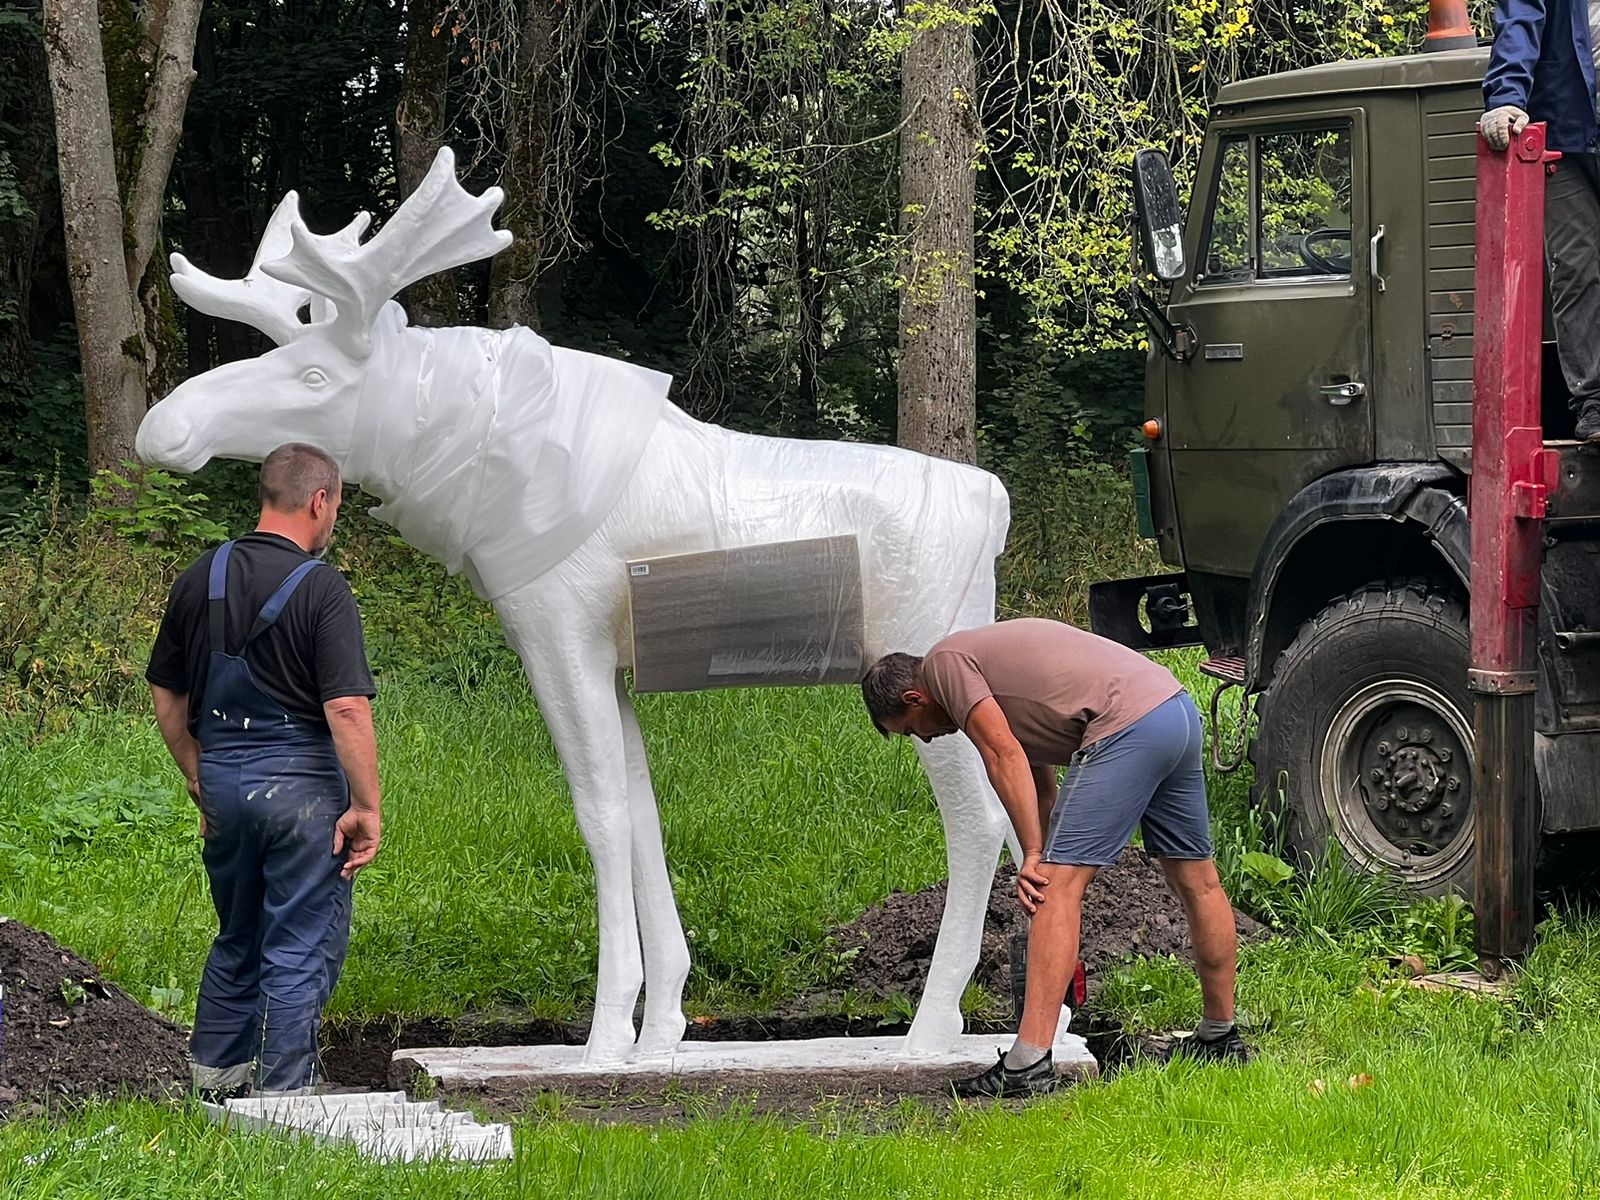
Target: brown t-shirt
(1059, 687)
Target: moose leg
(575, 683)
(666, 953)
(974, 827)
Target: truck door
(1279, 388)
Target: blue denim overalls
(272, 790)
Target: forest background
(717, 190)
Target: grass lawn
(784, 814)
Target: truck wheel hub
(1396, 774)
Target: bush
(1071, 526)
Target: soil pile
(1128, 910)
(69, 1036)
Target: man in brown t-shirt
(1033, 695)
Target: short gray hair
(886, 683)
(295, 472)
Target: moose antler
(438, 227)
(257, 299)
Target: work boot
(1588, 422)
(1000, 1081)
(1225, 1048)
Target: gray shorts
(1148, 775)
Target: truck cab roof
(1411, 72)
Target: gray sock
(1209, 1030)
(1022, 1055)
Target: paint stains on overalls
(272, 790)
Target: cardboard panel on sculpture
(785, 614)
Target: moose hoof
(932, 1033)
(610, 1039)
(660, 1039)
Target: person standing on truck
(263, 694)
(1542, 68)
(1033, 695)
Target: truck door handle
(1377, 240)
(1342, 393)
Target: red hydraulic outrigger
(1513, 477)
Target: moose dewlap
(776, 615)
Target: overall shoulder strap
(273, 608)
(216, 592)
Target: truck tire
(1365, 736)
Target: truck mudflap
(1148, 613)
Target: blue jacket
(1541, 62)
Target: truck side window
(1304, 207)
(1227, 257)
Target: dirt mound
(1128, 909)
(68, 1036)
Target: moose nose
(162, 436)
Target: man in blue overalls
(1542, 68)
(263, 695)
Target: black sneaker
(1224, 1048)
(1588, 422)
(1000, 1081)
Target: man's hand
(1500, 125)
(1031, 883)
(193, 785)
(359, 831)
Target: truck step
(1229, 669)
(1576, 495)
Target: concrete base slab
(382, 1125)
(881, 1061)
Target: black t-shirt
(312, 654)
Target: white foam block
(470, 1065)
(382, 1125)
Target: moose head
(308, 388)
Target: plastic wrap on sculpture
(542, 473)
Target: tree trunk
(938, 309)
(144, 193)
(419, 125)
(514, 279)
(122, 305)
(109, 338)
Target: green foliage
(78, 610)
(153, 508)
(1439, 931)
(43, 440)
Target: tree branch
(161, 127)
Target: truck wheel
(1365, 736)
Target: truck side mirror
(1160, 217)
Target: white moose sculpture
(541, 472)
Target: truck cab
(1308, 450)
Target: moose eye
(313, 377)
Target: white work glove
(1500, 125)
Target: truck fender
(1417, 494)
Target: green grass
(1467, 1098)
(785, 814)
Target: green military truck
(1310, 397)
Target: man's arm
(1518, 32)
(172, 716)
(1044, 783)
(360, 829)
(1014, 781)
